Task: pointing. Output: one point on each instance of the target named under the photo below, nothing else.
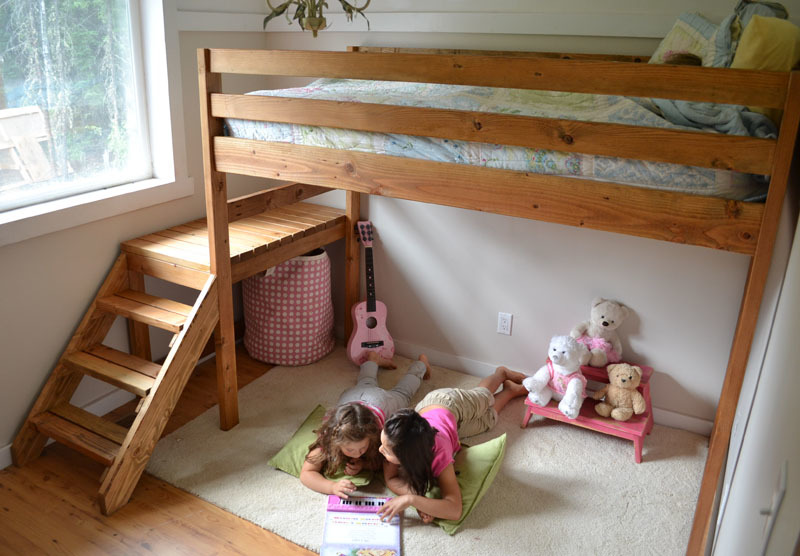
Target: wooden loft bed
(742, 227)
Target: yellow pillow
(768, 43)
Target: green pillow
(476, 467)
(291, 457)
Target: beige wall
(444, 273)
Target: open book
(353, 528)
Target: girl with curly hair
(349, 437)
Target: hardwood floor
(50, 506)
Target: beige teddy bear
(622, 399)
(599, 333)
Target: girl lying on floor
(350, 433)
(420, 445)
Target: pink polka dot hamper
(288, 311)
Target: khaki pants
(472, 408)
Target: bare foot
(424, 359)
(515, 388)
(508, 374)
(381, 361)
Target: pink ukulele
(369, 317)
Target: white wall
(444, 273)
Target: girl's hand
(353, 467)
(394, 506)
(343, 488)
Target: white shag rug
(560, 490)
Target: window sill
(37, 220)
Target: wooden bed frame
(742, 227)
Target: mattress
(548, 104)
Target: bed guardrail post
(352, 260)
(216, 191)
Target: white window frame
(160, 55)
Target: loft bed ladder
(265, 230)
(124, 451)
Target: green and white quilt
(571, 106)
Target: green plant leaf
(350, 10)
(277, 11)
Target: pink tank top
(446, 443)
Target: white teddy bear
(561, 378)
(599, 332)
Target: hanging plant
(309, 13)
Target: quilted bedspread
(572, 106)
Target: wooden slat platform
(294, 228)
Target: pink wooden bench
(635, 428)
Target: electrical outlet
(504, 323)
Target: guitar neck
(370, 272)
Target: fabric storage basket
(288, 311)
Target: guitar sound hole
(372, 322)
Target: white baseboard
(679, 421)
(5, 456)
(479, 368)
(99, 406)
(446, 360)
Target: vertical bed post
(352, 260)
(216, 191)
(352, 268)
(746, 325)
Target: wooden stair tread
(147, 368)
(90, 421)
(141, 307)
(76, 437)
(108, 371)
(187, 244)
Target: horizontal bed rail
(721, 85)
(695, 148)
(663, 215)
(256, 203)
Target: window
(71, 117)
(87, 129)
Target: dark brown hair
(411, 438)
(683, 59)
(349, 422)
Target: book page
(354, 533)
